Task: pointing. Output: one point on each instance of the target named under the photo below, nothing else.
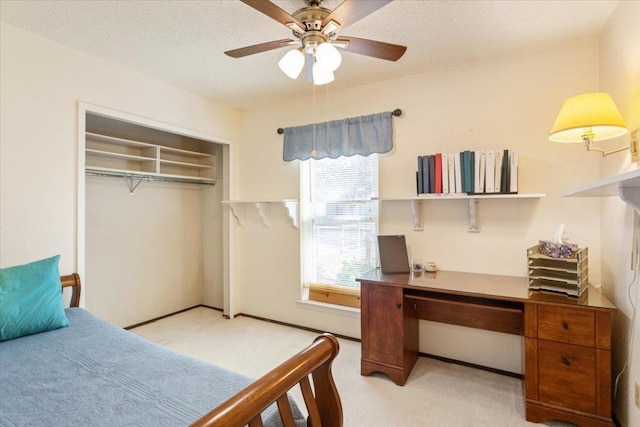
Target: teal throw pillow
(31, 299)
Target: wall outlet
(638, 395)
(635, 146)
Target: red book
(438, 172)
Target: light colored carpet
(436, 393)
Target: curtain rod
(397, 113)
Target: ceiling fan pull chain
(314, 152)
(327, 120)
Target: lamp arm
(587, 143)
(606, 153)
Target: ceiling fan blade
(351, 11)
(376, 49)
(257, 48)
(273, 12)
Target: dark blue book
(425, 174)
(419, 187)
(432, 173)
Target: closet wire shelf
(135, 179)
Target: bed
(94, 373)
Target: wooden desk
(567, 344)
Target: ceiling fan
(314, 35)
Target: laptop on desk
(393, 254)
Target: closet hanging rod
(149, 177)
(396, 113)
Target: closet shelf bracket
(133, 183)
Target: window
(339, 225)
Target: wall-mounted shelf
(472, 199)
(142, 161)
(264, 209)
(626, 186)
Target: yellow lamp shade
(593, 115)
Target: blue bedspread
(95, 374)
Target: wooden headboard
(72, 280)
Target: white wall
(506, 103)
(620, 77)
(42, 83)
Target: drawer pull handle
(398, 305)
(566, 361)
(565, 325)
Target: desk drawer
(566, 375)
(569, 325)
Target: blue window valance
(357, 135)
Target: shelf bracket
(292, 210)
(264, 210)
(631, 195)
(132, 186)
(416, 210)
(237, 209)
(473, 227)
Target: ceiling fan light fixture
(292, 63)
(321, 75)
(328, 56)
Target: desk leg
(389, 332)
(410, 343)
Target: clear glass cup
(417, 264)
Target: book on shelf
(498, 171)
(432, 173)
(470, 171)
(466, 179)
(425, 174)
(504, 178)
(482, 175)
(451, 172)
(445, 173)
(438, 173)
(479, 172)
(490, 167)
(472, 175)
(419, 185)
(513, 171)
(458, 172)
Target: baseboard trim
(344, 337)
(472, 365)
(304, 328)
(163, 317)
(427, 355)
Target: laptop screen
(393, 254)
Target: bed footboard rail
(324, 406)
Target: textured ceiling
(183, 42)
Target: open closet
(154, 234)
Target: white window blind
(339, 221)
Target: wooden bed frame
(321, 399)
